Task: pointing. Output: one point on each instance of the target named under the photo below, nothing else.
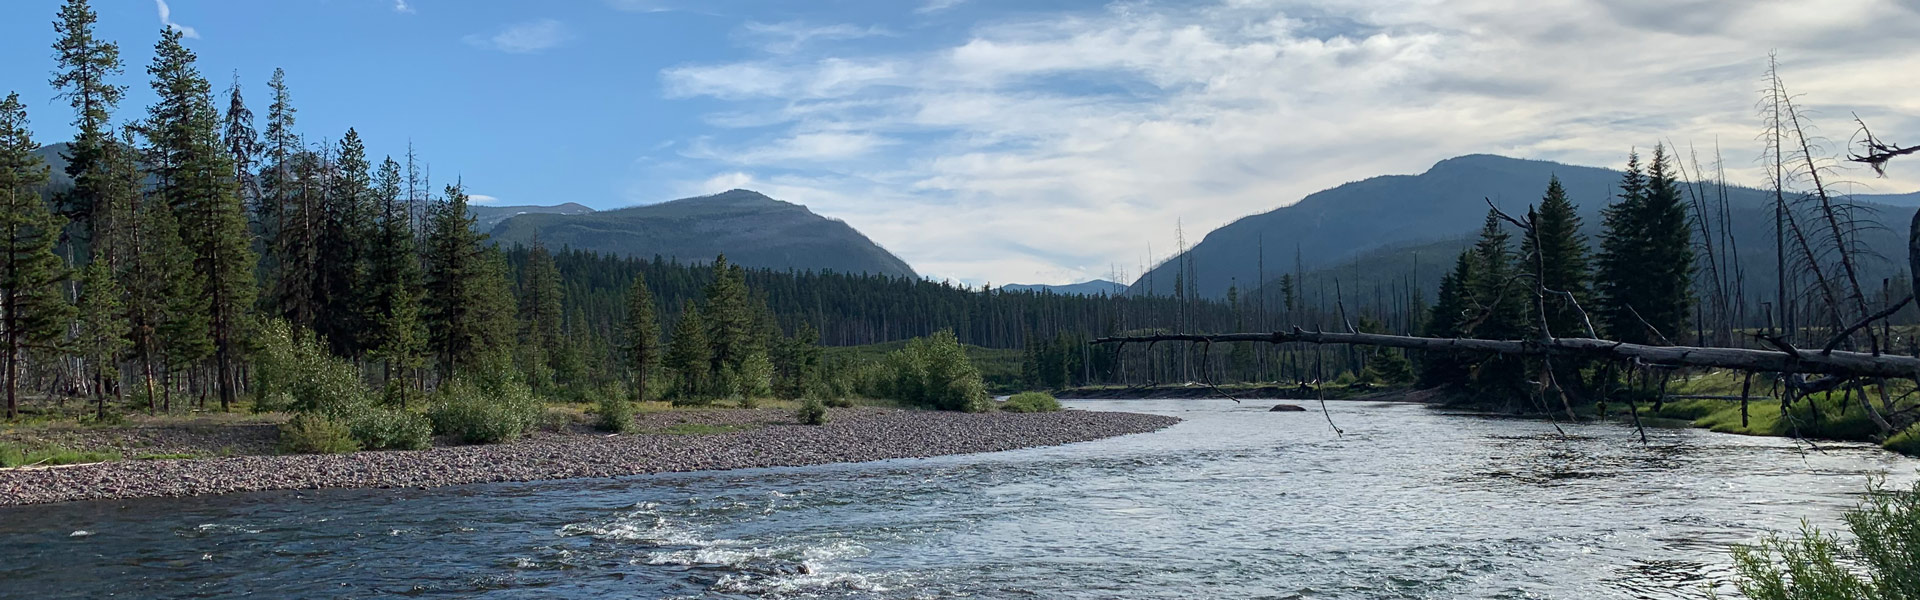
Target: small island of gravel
(689, 440)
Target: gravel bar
(768, 438)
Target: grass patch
(15, 456)
(701, 429)
(1906, 442)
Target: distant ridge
(487, 217)
(750, 228)
(1379, 218)
(1085, 288)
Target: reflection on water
(1234, 502)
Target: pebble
(771, 439)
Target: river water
(1235, 502)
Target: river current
(1234, 502)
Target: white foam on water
(222, 528)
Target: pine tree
(195, 176)
(689, 354)
(33, 312)
(1645, 267)
(643, 335)
(101, 337)
(344, 247)
(86, 63)
(467, 295)
(540, 314)
(1561, 255)
(395, 334)
(1450, 313)
(288, 216)
(1668, 246)
(243, 146)
(728, 319)
(164, 305)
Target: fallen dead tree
(1785, 360)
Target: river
(1234, 502)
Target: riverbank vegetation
(1879, 560)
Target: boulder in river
(1287, 408)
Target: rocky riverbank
(675, 441)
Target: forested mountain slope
(1328, 229)
(748, 227)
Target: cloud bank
(1057, 147)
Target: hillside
(748, 227)
(1084, 288)
(1329, 229)
(488, 217)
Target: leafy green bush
(292, 372)
(614, 413)
(1031, 402)
(812, 411)
(1877, 564)
(314, 433)
(933, 372)
(482, 414)
(391, 429)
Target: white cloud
(401, 6)
(482, 199)
(934, 6)
(1096, 131)
(524, 38)
(166, 18)
(787, 37)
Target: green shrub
(313, 433)
(292, 372)
(614, 413)
(1031, 402)
(812, 411)
(482, 414)
(840, 402)
(1876, 564)
(391, 429)
(933, 372)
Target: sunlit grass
(15, 456)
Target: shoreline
(769, 438)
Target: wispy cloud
(1123, 119)
(401, 6)
(166, 19)
(788, 37)
(934, 6)
(482, 199)
(524, 38)
(639, 5)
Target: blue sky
(1011, 141)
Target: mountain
(1085, 288)
(55, 157)
(1908, 199)
(748, 227)
(1400, 214)
(488, 217)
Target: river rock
(1287, 408)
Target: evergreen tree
(394, 331)
(728, 319)
(1561, 253)
(689, 354)
(1645, 267)
(85, 64)
(288, 215)
(797, 367)
(643, 336)
(101, 337)
(540, 314)
(243, 147)
(1450, 315)
(164, 305)
(346, 234)
(195, 176)
(468, 300)
(33, 313)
